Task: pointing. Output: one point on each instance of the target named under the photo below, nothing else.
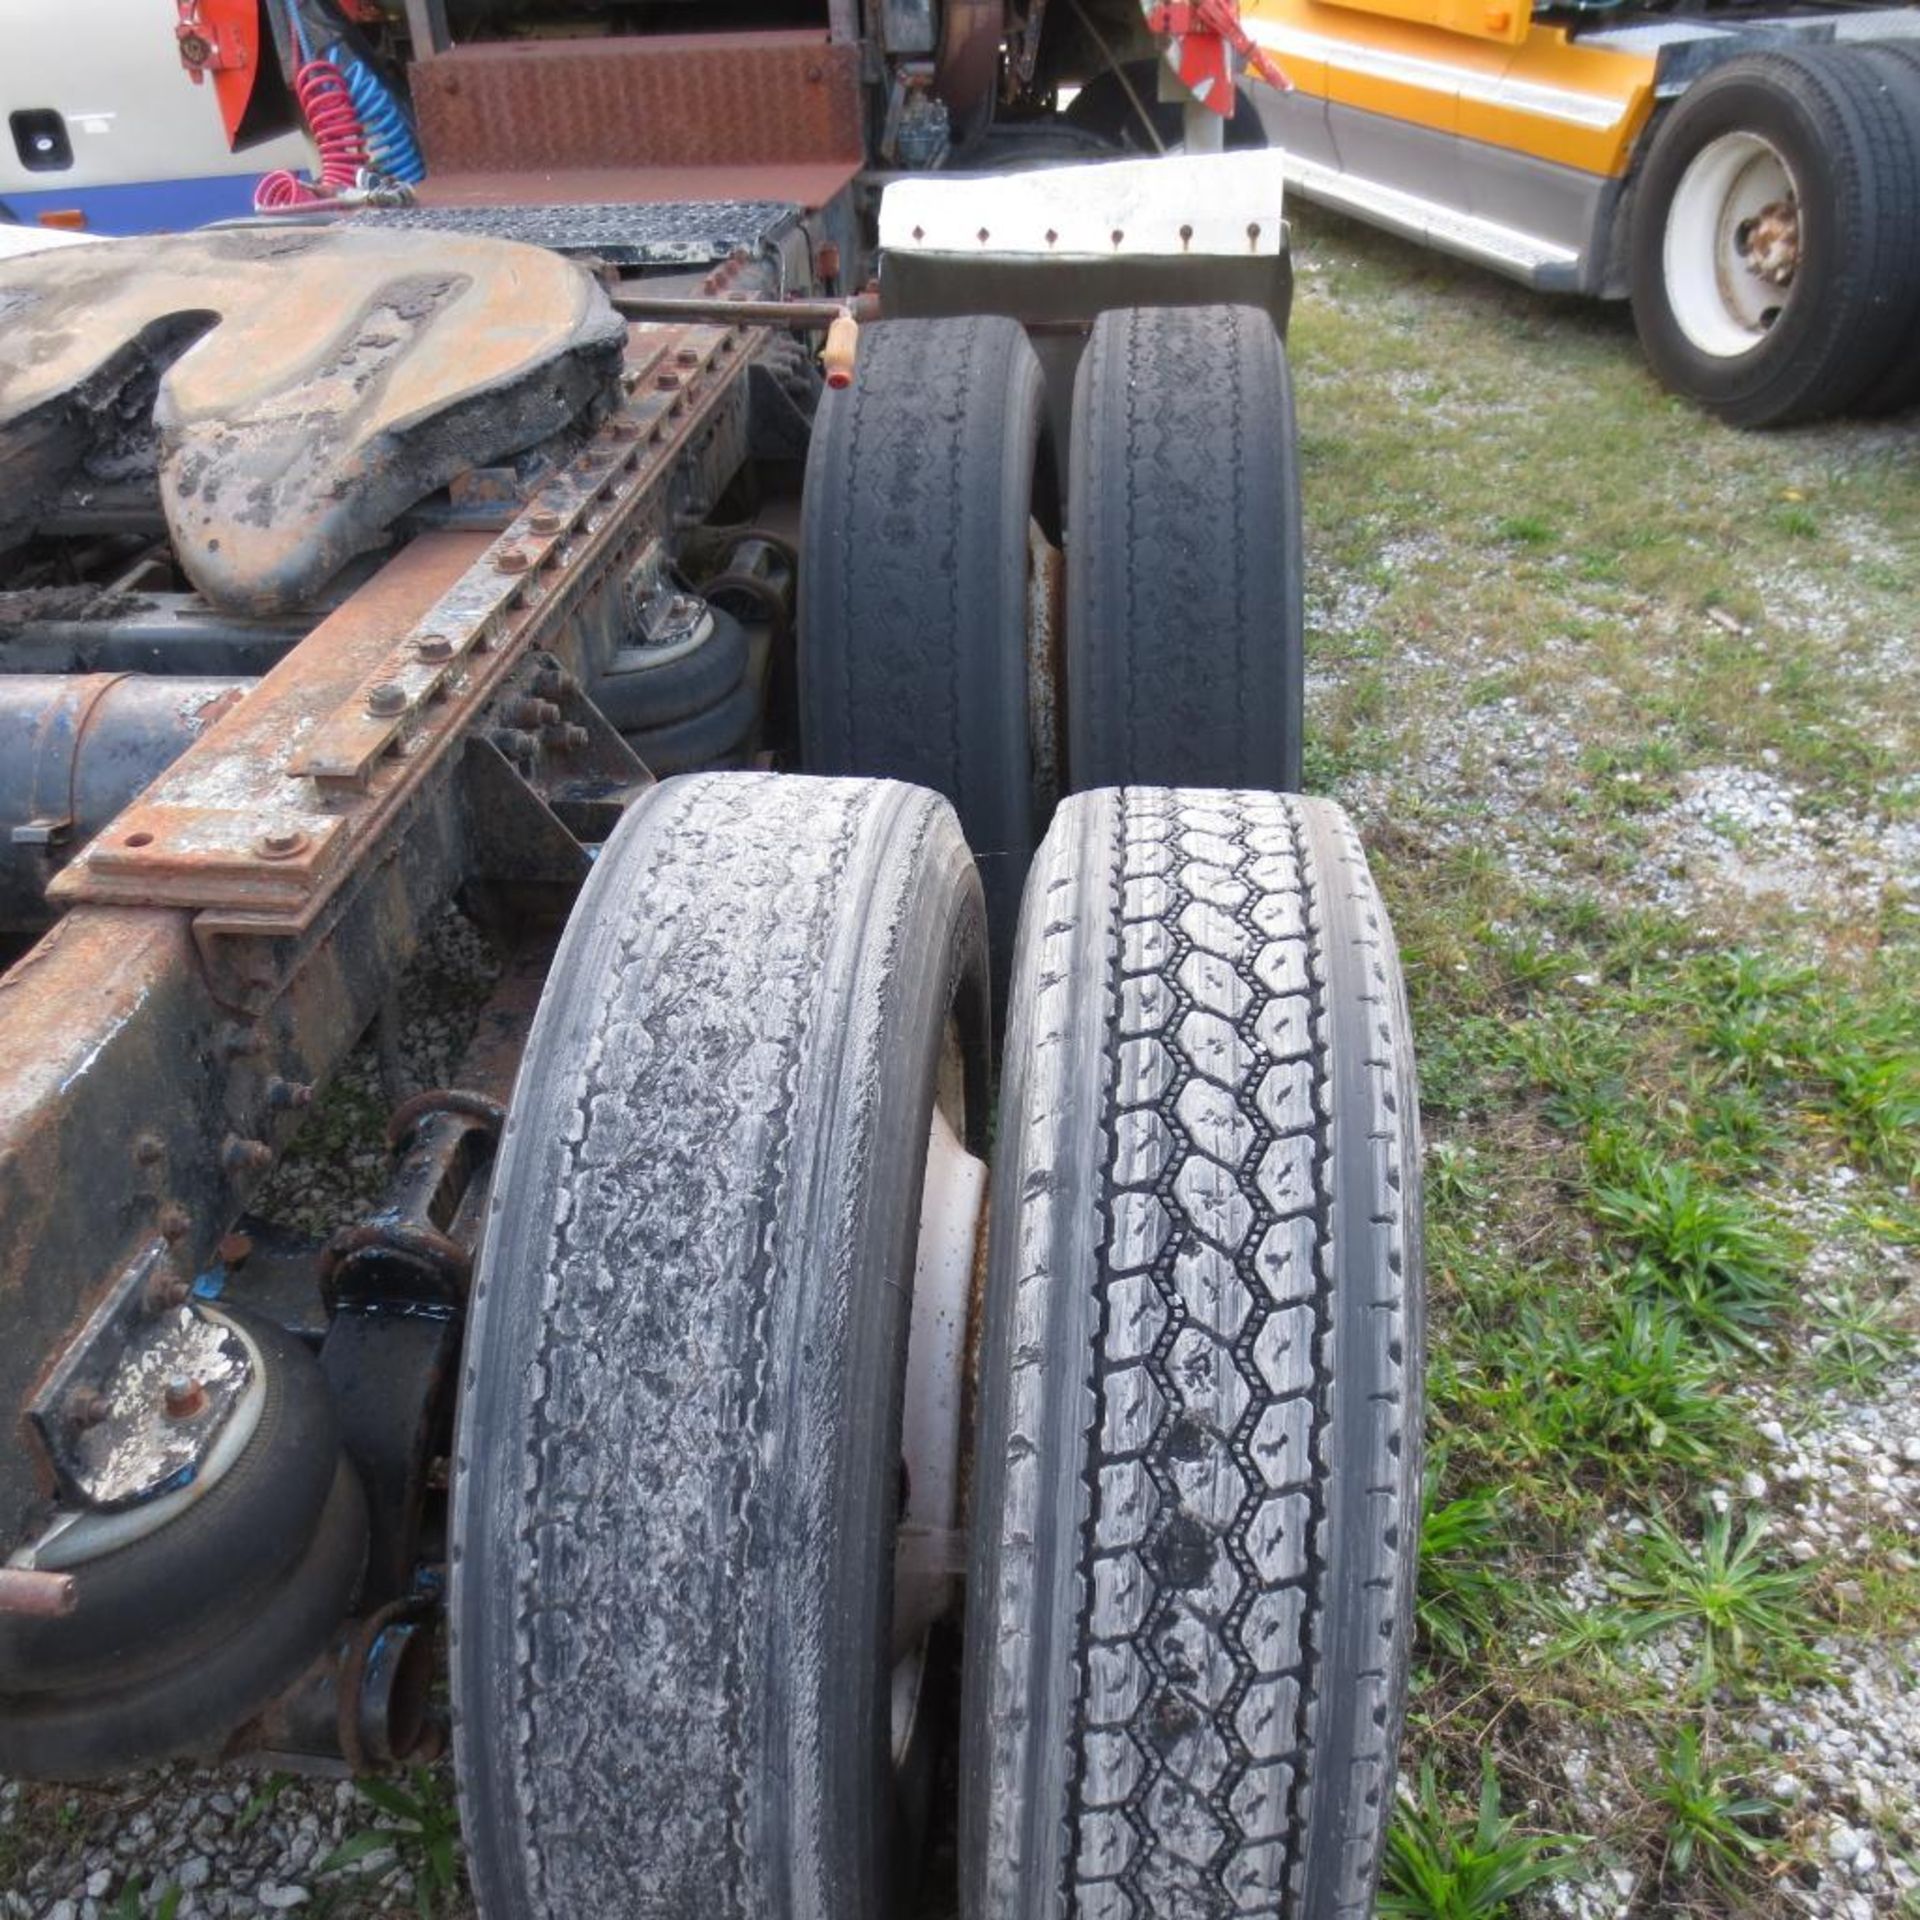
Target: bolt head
(511, 560)
(246, 1156)
(280, 843)
(165, 1291)
(544, 520)
(387, 699)
(183, 1397)
(433, 646)
(87, 1407)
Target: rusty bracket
(132, 1406)
(266, 816)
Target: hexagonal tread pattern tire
(1197, 1470)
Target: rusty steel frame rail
(230, 936)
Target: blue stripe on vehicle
(141, 206)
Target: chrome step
(1521, 256)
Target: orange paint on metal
(1481, 71)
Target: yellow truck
(1748, 176)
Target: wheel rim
(952, 1205)
(1732, 251)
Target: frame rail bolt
(280, 843)
(87, 1407)
(245, 1156)
(165, 1291)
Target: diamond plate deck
(666, 100)
(633, 234)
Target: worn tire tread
(683, 1363)
(1185, 657)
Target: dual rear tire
(1776, 237)
(939, 641)
(691, 1543)
(680, 1438)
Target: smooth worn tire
(678, 1448)
(921, 483)
(1185, 659)
(1198, 1460)
(1856, 173)
(215, 1563)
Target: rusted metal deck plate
(334, 377)
(259, 822)
(660, 100)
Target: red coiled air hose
(334, 121)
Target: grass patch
(1715, 1831)
(1673, 1123)
(1444, 1863)
(1748, 1615)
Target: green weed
(1751, 1617)
(1707, 1251)
(1461, 1590)
(1859, 1340)
(421, 1829)
(1527, 530)
(1443, 1865)
(1713, 1829)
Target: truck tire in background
(1195, 1521)
(1185, 660)
(678, 1453)
(1776, 237)
(1899, 386)
(922, 486)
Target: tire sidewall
(939, 971)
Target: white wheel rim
(952, 1205)
(1731, 252)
